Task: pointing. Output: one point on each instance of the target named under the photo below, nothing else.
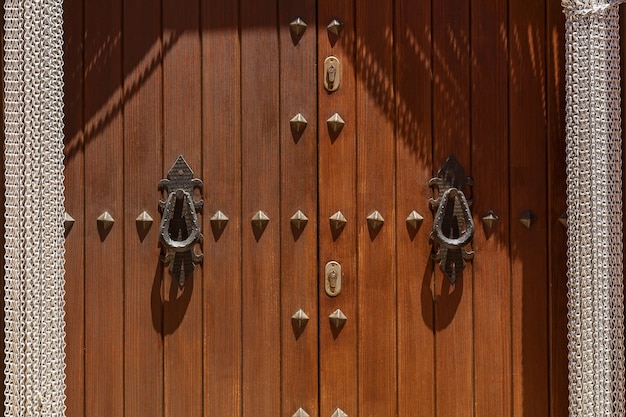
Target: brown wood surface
(451, 135)
(143, 144)
(491, 266)
(104, 251)
(75, 206)
(298, 173)
(260, 191)
(527, 158)
(413, 66)
(221, 144)
(182, 102)
(376, 192)
(337, 192)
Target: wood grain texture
(491, 265)
(75, 206)
(104, 250)
(451, 135)
(337, 192)
(221, 142)
(298, 252)
(182, 115)
(260, 191)
(528, 146)
(376, 192)
(143, 146)
(413, 92)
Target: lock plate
(332, 73)
(332, 281)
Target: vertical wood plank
(260, 191)
(143, 128)
(376, 192)
(298, 252)
(413, 92)
(557, 233)
(527, 121)
(104, 250)
(337, 192)
(74, 205)
(451, 135)
(491, 265)
(182, 319)
(221, 142)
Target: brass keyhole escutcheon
(332, 281)
(332, 73)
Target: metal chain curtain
(34, 209)
(594, 201)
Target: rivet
(300, 318)
(144, 221)
(375, 220)
(219, 220)
(299, 220)
(338, 220)
(301, 413)
(335, 27)
(297, 28)
(414, 220)
(68, 222)
(335, 123)
(490, 219)
(106, 220)
(260, 220)
(528, 218)
(298, 123)
(339, 413)
(563, 219)
(337, 318)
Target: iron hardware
(180, 230)
(68, 222)
(332, 73)
(335, 27)
(332, 281)
(339, 413)
(528, 218)
(453, 226)
(490, 219)
(563, 219)
(338, 319)
(301, 413)
(300, 318)
(414, 220)
(297, 28)
(335, 124)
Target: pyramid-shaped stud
(563, 219)
(301, 413)
(335, 27)
(338, 220)
(219, 220)
(337, 318)
(528, 218)
(490, 219)
(297, 28)
(106, 220)
(298, 123)
(300, 319)
(414, 220)
(260, 220)
(339, 413)
(68, 222)
(299, 220)
(144, 220)
(375, 220)
(335, 123)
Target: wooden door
(219, 83)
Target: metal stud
(563, 219)
(528, 218)
(301, 413)
(490, 219)
(414, 220)
(68, 222)
(106, 220)
(297, 28)
(337, 318)
(144, 220)
(300, 318)
(299, 220)
(335, 123)
(338, 220)
(375, 220)
(335, 27)
(219, 220)
(260, 220)
(298, 123)
(339, 413)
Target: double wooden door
(221, 84)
